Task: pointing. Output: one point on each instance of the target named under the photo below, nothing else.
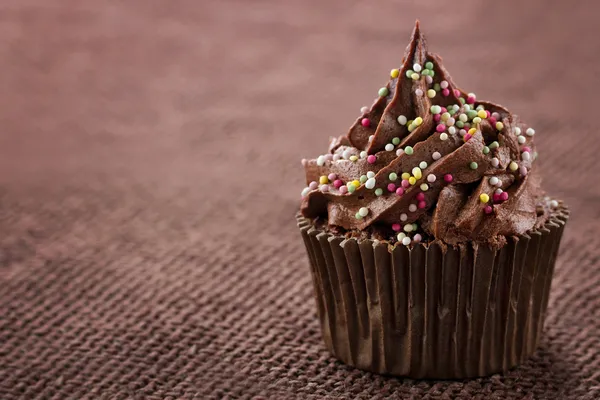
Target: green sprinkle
(383, 92)
(378, 192)
(351, 188)
(452, 111)
(471, 114)
(473, 165)
(429, 65)
(408, 150)
(494, 145)
(486, 150)
(396, 141)
(425, 72)
(436, 109)
(415, 226)
(363, 179)
(462, 100)
(409, 73)
(476, 120)
(437, 87)
(460, 124)
(432, 73)
(422, 165)
(393, 176)
(358, 216)
(480, 107)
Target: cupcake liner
(432, 310)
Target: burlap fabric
(150, 173)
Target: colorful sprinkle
(356, 183)
(471, 98)
(499, 125)
(498, 191)
(305, 191)
(346, 154)
(365, 122)
(391, 187)
(402, 120)
(363, 178)
(424, 187)
(399, 152)
(418, 121)
(405, 176)
(422, 205)
(412, 208)
(493, 181)
(423, 165)
(488, 209)
(363, 211)
(336, 157)
(473, 165)
(494, 145)
(523, 170)
(448, 178)
(431, 93)
(521, 139)
(444, 136)
(417, 238)
(486, 150)
(324, 188)
(440, 128)
(394, 73)
(484, 197)
(337, 183)
(408, 228)
(482, 114)
(495, 162)
(401, 236)
(429, 65)
(436, 155)
(467, 137)
(343, 190)
(452, 130)
(408, 150)
(371, 159)
(417, 67)
(409, 73)
(428, 79)
(405, 183)
(517, 131)
(417, 173)
(420, 196)
(419, 92)
(431, 178)
(415, 76)
(396, 141)
(364, 109)
(450, 121)
(412, 180)
(396, 227)
(525, 156)
(323, 180)
(313, 185)
(370, 174)
(504, 196)
(378, 192)
(370, 183)
(513, 166)
(476, 120)
(435, 109)
(399, 191)
(383, 92)
(403, 217)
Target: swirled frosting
(428, 161)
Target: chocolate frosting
(429, 161)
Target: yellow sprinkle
(415, 76)
(405, 175)
(445, 116)
(499, 126)
(394, 73)
(418, 121)
(431, 93)
(484, 197)
(481, 114)
(323, 180)
(416, 171)
(513, 166)
(472, 131)
(353, 158)
(412, 180)
(356, 182)
(424, 187)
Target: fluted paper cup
(432, 310)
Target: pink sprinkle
(417, 238)
(496, 115)
(526, 148)
(405, 183)
(365, 122)
(444, 109)
(399, 191)
(437, 117)
(328, 157)
(467, 137)
(496, 198)
(371, 159)
(391, 187)
(492, 121)
(457, 92)
(448, 178)
(331, 176)
(445, 92)
(504, 196)
(422, 204)
(467, 126)
(523, 170)
(324, 188)
(313, 185)
(471, 99)
(344, 189)
(488, 209)
(440, 128)
(421, 196)
(396, 227)
(337, 183)
(488, 113)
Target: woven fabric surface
(150, 173)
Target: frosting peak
(428, 160)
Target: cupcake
(431, 243)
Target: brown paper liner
(432, 311)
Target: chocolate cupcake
(431, 243)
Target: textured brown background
(149, 174)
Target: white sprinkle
(493, 181)
(370, 174)
(406, 240)
(363, 154)
(389, 147)
(371, 138)
(450, 121)
(399, 152)
(436, 156)
(412, 208)
(336, 157)
(443, 136)
(320, 161)
(402, 120)
(408, 228)
(521, 139)
(422, 165)
(452, 130)
(443, 84)
(364, 110)
(363, 212)
(530, 132)
(467, 107)
(456, 107)
(417, 67)
(305, 191)
(431, 178)
(525, 156)
(419, 92)
(554, 204)
(498, 191)
(346, 154)
(403, 217)
(401, 236)
(428, 79)
(517, 131)
(463, 117)
(495, 162)
(370, 183)
(324, 188)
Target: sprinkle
(504, 196)
(429, 65)
(530, 132)
(356, 183)
(494, 145)
(418, 121)
(425, 72)
(435, 109)
(417, 67)
(371, 159)
(394, 73)
(523, 170)
(525, 156)
(402, 120)
(444, 136)
(428, 79)
(378, 192)
(393, 176)
(419, 92)
(499, 125)
(488, 209)
(476, 120)
(412, 208)
(471, 114)
(517, 131)
(412, 180)
(467, 137)
(323, 180)
(405, 183)
(370, 174)
(365, 122)
(408, 150)
(463, 117)
(337, 183)
(363, 154)
(391, 187)
(417, 173)
(396, 141)
(462, 132)
(403, 217)
(324, 188)
(336, 157)
(554, 204)
(480, 107)
(521, 139)
(357, 216)
(383, 92)
(396, 227)
(343, 190)
(496, 115)
(498, 191)
(486, 150)
(471, 98)
(445, 116)
(448, 178)
(305, 191)
(364, 110)
(452, 130)
(482, 114)
(450, 121)
(460, 124)
(492, 121)
(436, 156)
(494, 181)
(473, 165)
(513, 166)
(495, 162)
(346, 154)
(313, 185)
(399, 191)
(363, 211)
(353, 158)
(431, 93)
(424, 187)
(417, 238)
(409, 73)
(420, 196)
(422, 205)
(431, 178)
(401, 236)
(320, 161)
(399, 152)
(445, 92)
(423, 165)
(415, 76)
(526, 148)
(440, 128)
(389, 147)
(437, 118)
(370, 184)
(363, 178)
(406, 241)
(484, 197)
(405, 175)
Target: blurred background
(150, 170)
